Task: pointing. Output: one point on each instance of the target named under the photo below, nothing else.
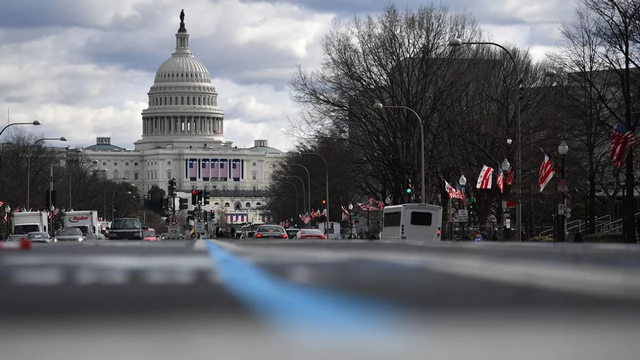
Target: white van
(412, 222)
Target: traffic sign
(174, 231)
(199, 227)
(560, 209)
(198, 215)
(174, 220)
(563, 186)
(463, 215)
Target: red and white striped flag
(345, 214)
(500, 180)
(546, 172)
(510, 175)
(621, 141)
(453, 193)
(1, 204)
(485, 178)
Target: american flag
(235, 171)
(464, 196)
(510, 176)
(206, 172)
(1, 204)
(453, 193)
(484, 180)
(214, 168)
(345, 214)
(6, 220)
(621, 142)
(500, 180)
(222, 174)
(193, 169)
(546, 172)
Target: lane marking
(594, 280)
(300, 310)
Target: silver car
(39, 237)
(69, 234)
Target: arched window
(115, 174)
(254, 175)
(170, 101)
(168, 174)
(247, 205)
(199, 100)
(216, 204)
(226, 204)
(188, 98)
(182, 100)
(155, 174)
(127, 174)
(165, 100)
(257, 204)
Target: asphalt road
(319, 299)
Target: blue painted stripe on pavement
(303, 309)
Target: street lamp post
(34, 122)
(309, 185)
(458, 42)
(506, 166)
(62, 138)
(563, 149)
(462, 181)
(380, 106)
(113, 197)
(350, 221)
(304, 201)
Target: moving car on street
(39, 237)
(270, 232)
(69, 234)
(126, 229)
(310, 234)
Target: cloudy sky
(83, 67)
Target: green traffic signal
(409, 191)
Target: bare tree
(602, 58)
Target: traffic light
(213, 215)
(194, 197)
(199, 197)
(409, 187)
(184, 204)
(324, 202)
(172, 187)
(205, 197)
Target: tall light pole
(380, 106)
(563, 149)
(457, 42)
(308, 182)
(350, 220)
(34, 122)
(463, 181)
(304, 201)
(326, 168)
(62, 138)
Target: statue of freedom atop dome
(182, 16)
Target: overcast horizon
(84, 68)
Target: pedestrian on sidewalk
(478, 237)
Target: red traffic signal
(324, 201)
(194, 192)
(213, 211)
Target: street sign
(174, 231)
(198, 215)
(199, 227)
(560, 209)
(567, 215)
(174, 220)
(507, 223)
(463, 215)
(563, 186)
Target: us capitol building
(183, 138)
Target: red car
(149, 235)
(310, 234)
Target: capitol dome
(183, 103)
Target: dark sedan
(270, 232)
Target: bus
(412, 223)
